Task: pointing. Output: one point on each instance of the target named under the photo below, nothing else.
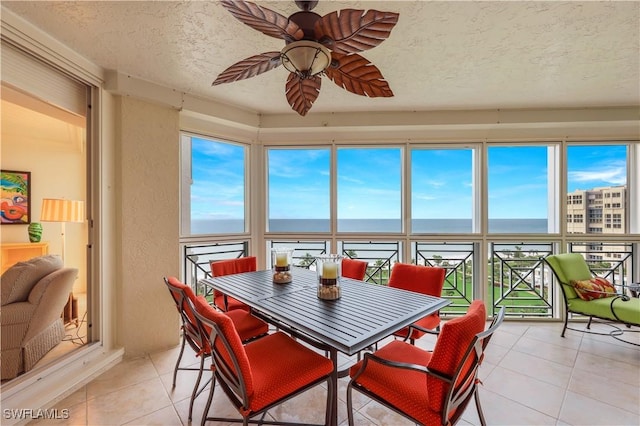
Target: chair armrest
(424, 330)
(369, 357)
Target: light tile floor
(531, 376)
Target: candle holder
(281, 261)
(328, 271)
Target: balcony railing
(517, 279)
(457, 259)
(520, 281)
(197, 258)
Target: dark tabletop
(365, 314)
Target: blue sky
(369, 180)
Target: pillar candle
(329, 270)
(281, 259)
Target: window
(214, 197)
(441, 190)
(518, 189)
(298, 190)
(599, 172)
(369, 189)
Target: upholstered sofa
(33, 295)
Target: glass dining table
(364, 314)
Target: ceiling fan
(315, 46)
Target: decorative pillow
(594, 288)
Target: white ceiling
(441, 55)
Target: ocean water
(419, 226)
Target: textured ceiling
(441, 55)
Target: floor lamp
(63, 211)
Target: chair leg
(589, 323)
(566, 318)
(350, 404)
(196, 386)
(479, 407)
(175, 370)
(209, 399)
(327, 414)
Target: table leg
(333, 354)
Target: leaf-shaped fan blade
(249, 67)
(354, 30)
(357, 75)
(264, 20)
(302, 92)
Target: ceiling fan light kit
(316, 46)
(305, 58)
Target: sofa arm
(49, 296)
(18, 281)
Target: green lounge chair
(616, 308)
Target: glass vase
(328, 269)
(281, 264)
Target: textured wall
(148, 184)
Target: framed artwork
(15, 205)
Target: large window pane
(369, 189)
(597, 189)
(217, 187)
(518, 189)
(299, 190)
(441, 190)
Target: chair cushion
(18, 280)
(404, 389)
(593, 288)
(421, 279)
(628, 311)
(281, 366)
(454, 339)
(247, 325)
(567, 267)
(229, 267)
(228, 331)
(232, 304)
(355, 269)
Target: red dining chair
(421, 279)
(261, 374)
(429, 388)
(229, 267)
(353, 268)
(248, 326)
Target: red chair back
(185, 299)
(233, 266)
(353, 268)
(421, 279)
(228, 354)
(457, 356)
(220, 268)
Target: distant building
(598, 211)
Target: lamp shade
(305, 58)
(60, 210)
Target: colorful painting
(16, 196)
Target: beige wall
(54, 151)
(147, 188)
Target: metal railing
(520, 281)
(457, 259)
(612, 260)
(517, 277)
(380, 255)
(197, 258)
